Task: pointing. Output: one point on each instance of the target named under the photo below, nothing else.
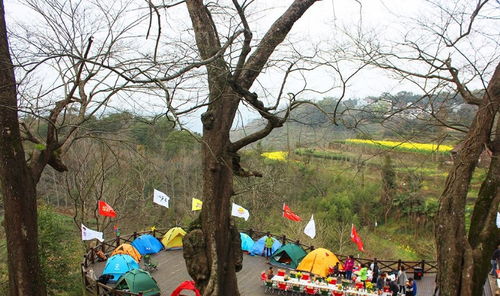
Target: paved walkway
(172, 271)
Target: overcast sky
(324, 23)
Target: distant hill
(388, 116)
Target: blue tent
(258, 246)
(147, 244)
(118, 265)
(246, 242)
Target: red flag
(106, 210)
(356, 239)
(287, 213)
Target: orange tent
(318, 261)
(127, 249)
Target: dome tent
(127, 249)
(187, 285)
(258, 246)
(147, 244)
(318, 261)
(172, 240)
(246, 242)
(288, 256)
(118, 265)
(138, 281)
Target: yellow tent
(173, 238)
(318, 261)
(127, 250)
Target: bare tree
(215, 255)
(60, 51)
(440, 56)
(18, 186)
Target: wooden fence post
(96, 288)
(422, 265)
(284, 239)
(135, 234)
(117, 241)
(399, 264)
(250, 233)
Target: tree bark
(456, 256)
(222, 252)
(484, 236)
(17, 185)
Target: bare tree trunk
(17, 184)
(484, 236)
(455, 254)
(212, 250)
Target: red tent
(187, 285)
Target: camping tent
(138, 281)
(318, 261)
(288, 255)
(173, 238)
(127, 250)
(118, 265)
(187, 285)
(246, 242)
(147, 244)
(258, 246)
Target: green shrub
(60, 253)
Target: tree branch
(462, 89)
(245, 50)
(274, 36)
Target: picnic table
(321, 286)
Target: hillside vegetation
(389, 194)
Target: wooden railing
(93, 287)
(384, 265)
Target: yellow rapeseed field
(408, 146)
(276, 155)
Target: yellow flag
(196, 206)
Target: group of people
(400, 284)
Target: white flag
(160, 198)
(310, 229)
(89, 234)
(240, 211)
(498, 219)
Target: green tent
(288, 256)
(138, 281)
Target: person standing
(402, 279)
(495, 258)
(268, 245)
(348, 266)
(375, 270)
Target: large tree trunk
(456, 257)
(18, 187)
(484, 236)
(212, 252)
